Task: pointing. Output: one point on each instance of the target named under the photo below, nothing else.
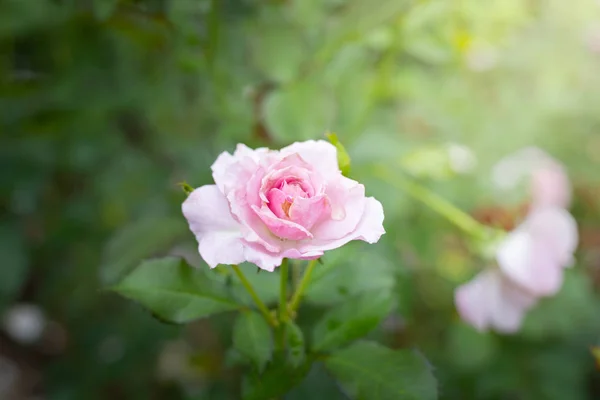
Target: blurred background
(105, 105)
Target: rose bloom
(531, 258)
(267, 205)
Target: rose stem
(437, 203)
(261, 306)
(283, 284)
(302, 286)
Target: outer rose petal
(369, 229)
(218, 234)
(320, 154)
(559, 229)
(347, 202)
(229, 170)
(491, 301)
(550, 186)
(534, 254)
(530, 263)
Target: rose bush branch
(268, 207)
(435, 202)
(297, 297)
(259, 303)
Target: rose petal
(347, 202)
(218, 234)
(558, 229)
(529, 262)
(229, 170)
(369, 229)
(280, 227)
(277, 198)
(491, 301)
(550, 186)
(307, 212)
(320, 154)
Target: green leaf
(318, 385)
(375, 372)
(347, 273)
(266, 286)
(342, 155)
(187, 189)
(142, 239)
(295, 341)
(174, 291)
(278, 378)
(352, 319)
(253, 338)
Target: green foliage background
(106, 105)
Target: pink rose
(268, 205)
(536, 252)
(532, 257)
(492, 301)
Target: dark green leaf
(375, 372)
(347, 273)
(295, 342)
(266, 286)
(253, 338)
(139, 240)
(352, 319)
(278, 378)
(174, 291)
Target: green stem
(302, 286)
(437, 203)
(283, 284)
(261, 306)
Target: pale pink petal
(257, 255)
(320, 154)
(557, 229)
(369, 229)
(529, 262)
(347, 202)
(490, 301)
(218, 234)
(308, 211)
(280, 227)
(229, 170)
(470, 300)
(550, 186)
(512, 304)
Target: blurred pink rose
(492, 301)
(535, 253)
(532, 257)
(268, 205)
